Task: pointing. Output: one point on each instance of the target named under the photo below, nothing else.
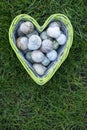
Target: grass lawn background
(61, 104)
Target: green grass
(61, 104)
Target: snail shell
(55, 45)
(43, 35)
(46, 61)
(37, 56)
(34, 42)
(33, 33)
(26, 27)
(61, 39)
(22, 43)
(53, 32)
(46, 46)
(54, 24)
(28, 57)
(40, 69)
(52, 55)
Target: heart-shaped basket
(62, 52)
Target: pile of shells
(40, 49)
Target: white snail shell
(54, 24)
(40, 69)
(55, 45)
(61, 39)
(37, 56)
(33, 33)
(46, 46)
(46, 61)
(52, 55)
(34, 42)
(43, 35)
(22, 43)
(53, 32)
(28, 57)
(26, 27)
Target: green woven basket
(60, 17)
